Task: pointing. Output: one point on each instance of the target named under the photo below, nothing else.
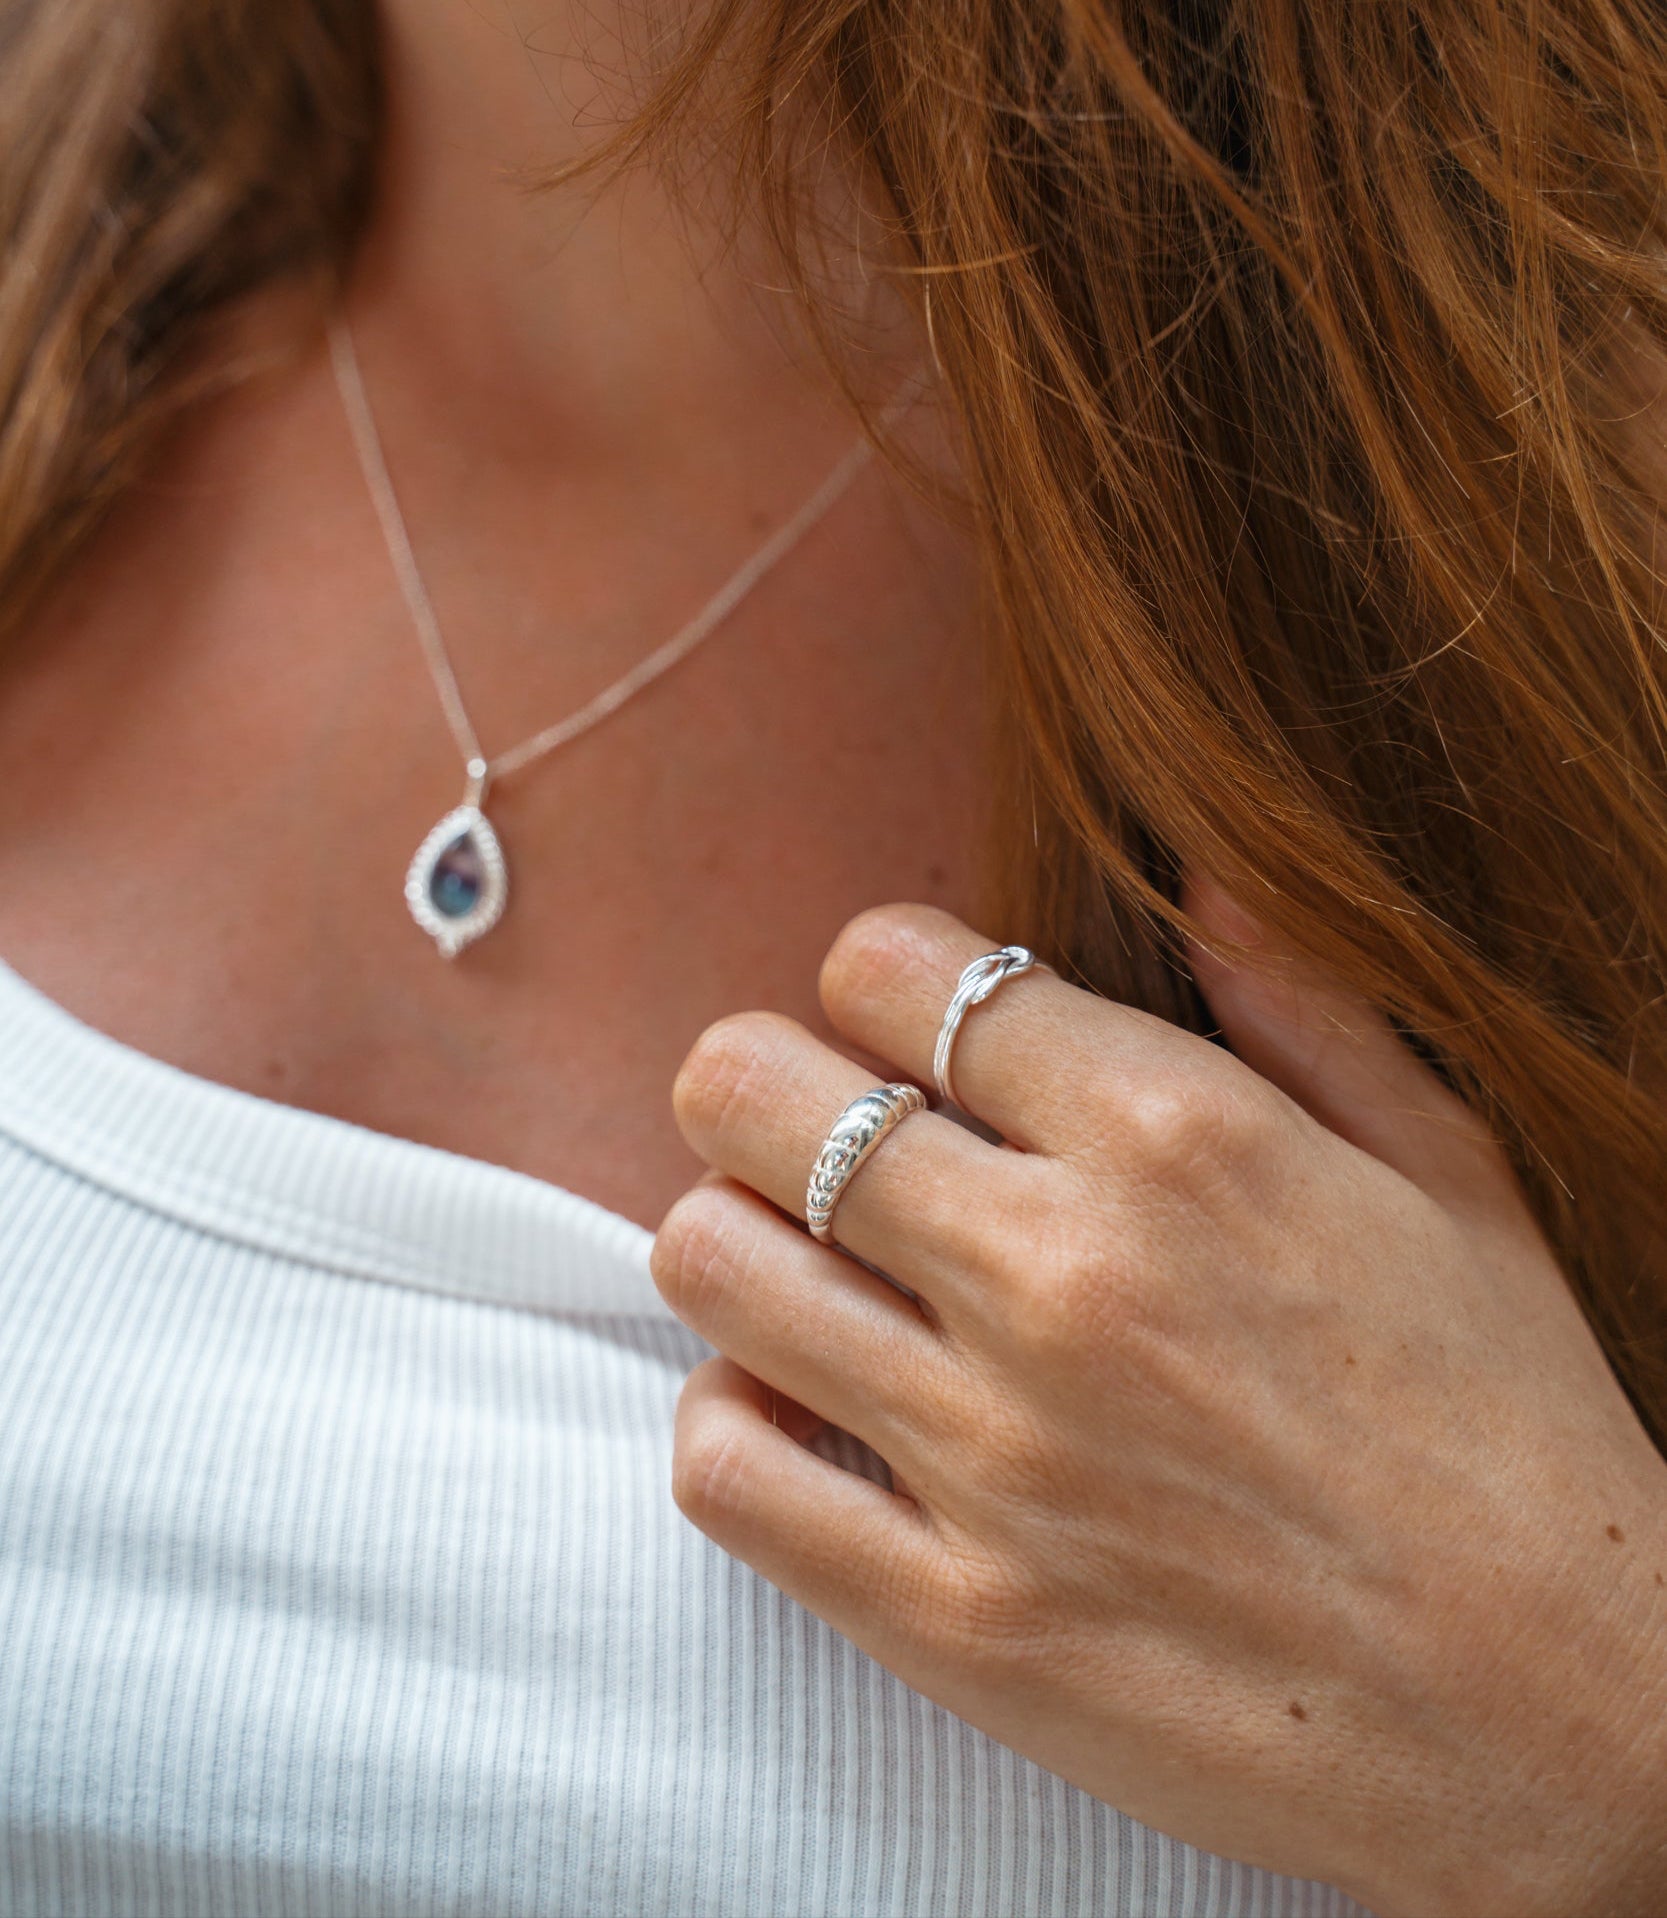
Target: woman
(1268, 1375)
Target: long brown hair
(1305, 359)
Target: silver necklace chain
(457, 885)
(482, 770)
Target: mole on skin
(1296, 1710)
(1615, 1533)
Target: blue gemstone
(455, 883)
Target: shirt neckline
(301, 1185)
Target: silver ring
(984, 976)
(851, 1138)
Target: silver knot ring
(851, 1138)
(983, 977)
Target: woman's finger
(756, 1097)
(802, 1317)
(853, 1552)
(1341, 1060)
(1042, 1062)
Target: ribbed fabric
(339, 1573)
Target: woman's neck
(222, 746)
(589, 395)
(607, 319)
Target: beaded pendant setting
(458, 882)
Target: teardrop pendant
(458, 884)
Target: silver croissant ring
(984, 976)
(851, 1138)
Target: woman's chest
(220, 881)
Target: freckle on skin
(1348, 1358)
(1296, 1710)
(1615, 1533)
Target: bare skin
(1253, 1467)
(1255, 1470)
(222, 745)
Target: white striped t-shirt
(339, 1573)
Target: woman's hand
(1254, 1469)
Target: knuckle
(722, 1067)
(711, 1474)
(1096, 1296)
(984, 1618)
(1073, 1282)
(1002, 1232)
(868, 953)
(695, 1253)
(1187, 1130)
(1069, 1326)
(1171, 1125)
